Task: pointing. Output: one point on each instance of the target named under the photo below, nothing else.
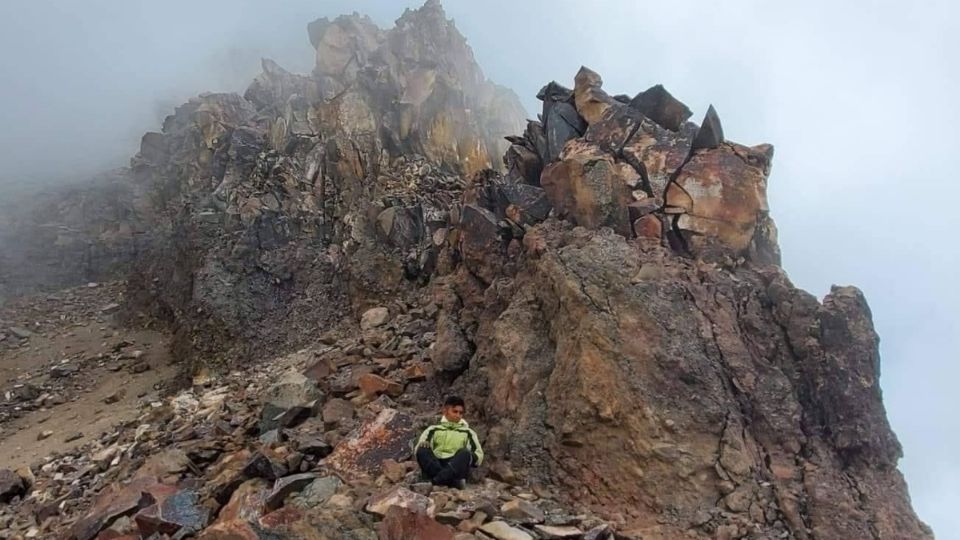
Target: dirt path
(68, 372)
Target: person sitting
(447, 450)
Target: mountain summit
(330, 254)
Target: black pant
(445, 472)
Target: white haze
(857, 97)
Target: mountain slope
(609, 300)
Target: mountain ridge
(610, 299)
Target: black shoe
(461, 483)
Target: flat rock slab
(388, 436)
(403, 498)
(558, 532)
(501, 531)
(522, 511)
(286, 486)
(180, 511)
(114, 501)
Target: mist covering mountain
(96, 146)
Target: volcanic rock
(501, 531)
(710, 134)
(660, 106)
(400, 523)
(611, 304)
(590, 99)
(722, 196)
(593, 350)
(337, 411)
(374, 318)
(286, 486)
(247, 503)
(481, 244)
(114, 501)
(178, 512)
(11, 485)
(587, 187)
(402, 498)
(553, 532)
(388, 436)
(374, 385)
(522, 511)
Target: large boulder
(561, 121)
(588, 187)
(400, 226)
(659, 153)
(714, 392)
(400, 497)
(659, 105)
(481, 243)
(721, 196)
(290, 400)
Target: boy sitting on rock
(445, 451)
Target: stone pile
(307, 445)
(636, 166)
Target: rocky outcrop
(642, 348)
(610, 302)
(616, 370)
(311, 196)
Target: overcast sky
(859, 99)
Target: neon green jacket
(446, 438)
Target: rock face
(245, 211)
(310, 187)
(610, 302)
(637, 370)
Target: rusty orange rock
(721, 195)
(374, 385)
(648, 226)
(402, 524)
(589, 96)
(589, 188)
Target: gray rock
(501, 531)
(522, 512)
(710, 134)
(286, 486)
(660, 106)
(11, 485)
(374, 318)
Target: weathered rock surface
(722, 194)
(402, 524)
(400, 498)
(634, 364)
(11, 485)
(589, 188)
(502, 531)
(637, 364)
(388, 436)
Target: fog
(858, 98)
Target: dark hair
(454, 401)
